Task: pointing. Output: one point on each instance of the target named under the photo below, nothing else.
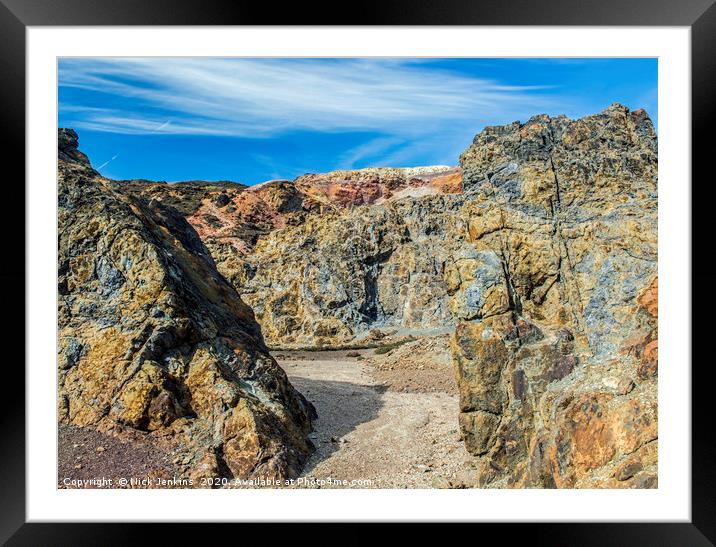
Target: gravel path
(384, 421)
(369, 433)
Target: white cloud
(262, 98)
(108, 162)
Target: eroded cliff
(328, 259)
(539, 254)
(153, 338)
(556, 300)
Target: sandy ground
(419, 366)
(372, 436)
(384, 421)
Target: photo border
(16, 15)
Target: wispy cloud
(162, 126)
(105, 164)
(371, 149)
(262, 98)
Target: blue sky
(251, 120)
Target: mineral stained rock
(555, 295)
(539, 254)
(153, 338)
(336, 278)
(377, 185)
(329, 258)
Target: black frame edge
(534, 534)
(703, 142)
(371, 12)
(12, 273)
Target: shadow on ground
(341, 407)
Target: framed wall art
(424, 265)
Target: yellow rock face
(540, 252)
(555, 346)
(153, 338)
(335, 277)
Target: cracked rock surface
(537, 256)
(555, 294)
(152, 338)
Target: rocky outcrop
(340, 189)
(185, 196)
(539, 253)
(232, 224)
(153, 338)
(336, 278)
(555, 295)
(328, 258)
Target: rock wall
(329, 258)
(336, 278)
(153, 338)
(555, 294)
(539, 252)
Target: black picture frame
(16, 15)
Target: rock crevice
(550, 389)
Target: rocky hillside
(340, 189)
(329, 258)
(538, 254)
(555, 296)
(153, 338)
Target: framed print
(404, 268)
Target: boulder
(153, 338)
